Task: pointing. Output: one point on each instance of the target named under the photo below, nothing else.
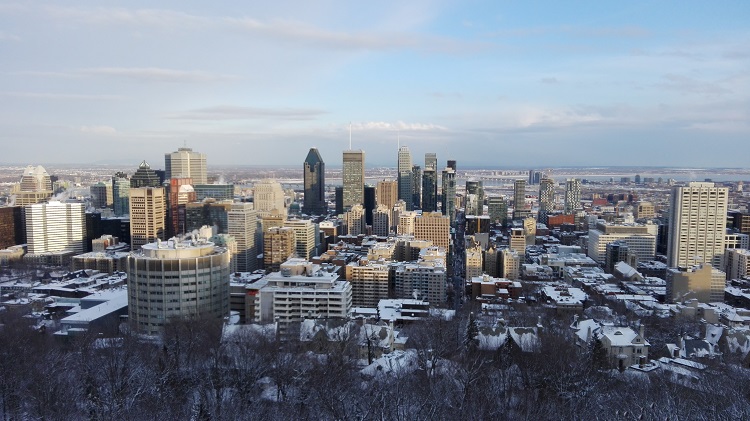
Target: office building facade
(175, 280)
(186, 163)
(147, 215)
(697, 225)
(314, 178)
(55, 227)
(353, 178)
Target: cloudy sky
(495, 84)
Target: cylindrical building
(177, 279)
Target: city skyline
(587, 84)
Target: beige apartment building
(147, 215)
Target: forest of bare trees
(191, 374)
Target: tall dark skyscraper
(429, 183)
(449, 193)
(369, 203)
(474, 197)
(429, 190)
(416, 187)
(145, 177)
(339, 200)
(315, 183)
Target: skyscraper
(186, 163)
(519, 200)
(121, 194)
(449, 193)
(242, 221)
(101, 195)
(55, 226)
(145, 177)
(474, 197)
(429, 190)
(162, 282)
(697, 225)
(387, 193)
(278, 246)
(430, 161)
(416, 187)
(354, 220)
(11, 226)
(353, 178)
(180, 192)
(430, 183)
(370, 203)
(304, 236)
(572, 195)
(35, 186)
(315, 183)
(147, 215)
(404, 169)
(267, 196)
(497, 208)
(546, 198)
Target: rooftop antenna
(350, 135)
(398, 137)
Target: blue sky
(494, 84)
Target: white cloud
(294, 31)
(141, 17)
(98, 130)
(156, 74)
(399, 125)
(232, 112)
(688, 85)
(4, 36)
(549, 80)
(530, 117)
(61, 96)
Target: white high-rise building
(35, 179)
(355, 222)
(56, 226)
(177, 279)
(423, 280)
(301, 290)
(35, 186)
(737, 263)
(369, 281)
(572, 195)
(641, 239)
(242, 221)
(405, 176)
(406, 222)
(186, 163)
(381, 221)
(546, 198)
(304, 236)
(267, 196)
(697, 225)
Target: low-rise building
(565, 299)
(300, 290)
(701, 282)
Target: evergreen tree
(471, 342)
